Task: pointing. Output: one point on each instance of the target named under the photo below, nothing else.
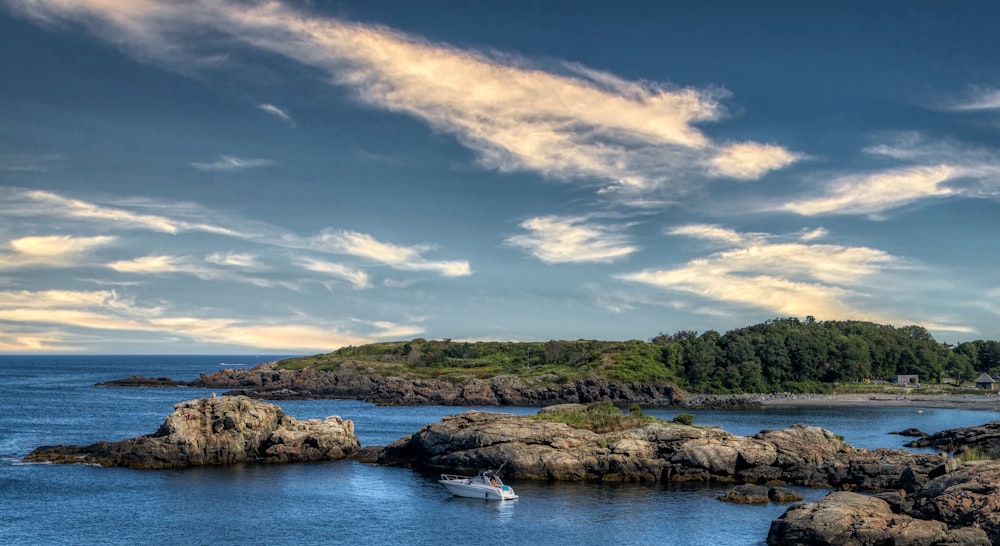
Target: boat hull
(469, 489)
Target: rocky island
(211, 431)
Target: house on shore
(984, 381)
(905, 380)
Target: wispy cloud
(16, 202)
(357, 277)
(925, 169)
(784, 277)
(276, 112)
(563, 120)
(50, 250)
(709, 232)
(572, 239)
(232, 163)
(234, 259)
(37, 163)
(872, 193)
(33, 203)
(399, 257)
(56, 315)
(156, 264)
(976, 99)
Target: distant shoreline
(941, 401)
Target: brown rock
(845, 518)
(969, 496)
(222, 430)
(547, 450)
(783, 495)
(746, 494)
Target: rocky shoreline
(910, 498)
(354, 381)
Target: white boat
(485, 485)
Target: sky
(221, 176)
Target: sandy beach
(960, 401)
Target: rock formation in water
(547, 450)
(983, 438)
(846, 518)
(210, 431)
(749, 493)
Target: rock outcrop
(969, 496)
(847, 518)
(548, 450)
(357, 380)
(212, 431)
(760, 494)
(983, 438)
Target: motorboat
(485, 485)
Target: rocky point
(224, 430)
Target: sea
(49, 400)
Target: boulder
(915, 432)
(746, 494)
(211, 431)
(969, 496)
(847, 518)
(783, 495)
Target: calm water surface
(51, 400)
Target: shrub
(600, 417)
(683, 419)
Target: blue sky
(223, 176)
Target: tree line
(791, 354)
(784, 354)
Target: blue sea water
(47, 400)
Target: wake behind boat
(485, 485)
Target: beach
(946, 401)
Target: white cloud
(398, 257)
(868, 194)
(926, 169)
(564, 121)
(276, 112)
(56, 314)
(750, 161)
(50, 250)
(15, 202)
(356, 277)
(785, 278)
(151, 265)
(976, 99)
(232, 163)
(571, 239)
(708, 232)
(234, 259)
(814, 234)
(32, 203)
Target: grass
(602, 417)
(977, 454)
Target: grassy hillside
(554, 361)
